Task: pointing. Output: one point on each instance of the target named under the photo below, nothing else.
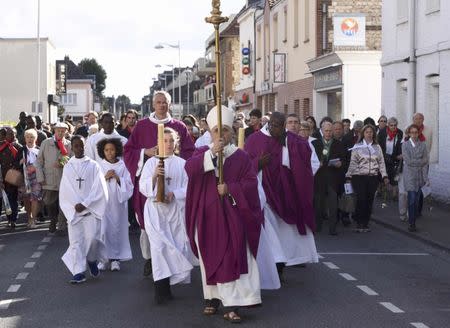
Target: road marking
(22, 276)
(4, 304)
(42, 247)
(331, 265)
(419, 325)
(46, 239)
(23, 232)
(367, 290)
(320, 256)
(376, 254)
(30, 265)
(13, 289)
(391, 307)
(36, 255)
(348, 276)
(1, 247)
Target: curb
(415, 236)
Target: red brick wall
(300, 90)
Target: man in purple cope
(142, 145)
(283, 162)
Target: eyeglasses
(382, 121)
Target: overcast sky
(120, 34)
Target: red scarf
(10, 146)
(61, 147)
(421, 135)
(391, 134)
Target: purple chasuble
(224, 227)
(144, 136)
(289, 192)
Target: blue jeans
(413, 202)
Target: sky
(120, 34)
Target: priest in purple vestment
(142, 145)
(224, 221)
(283, 162)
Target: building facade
(18, 79)
(416, 75)
(346, 69)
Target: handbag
(347, 203)
(14, 177)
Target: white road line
(1, 247)
(4, 304)
(319, 256)
(331, 265)
(376, 254)
(42, 247)
(348, 276)
(29, 265)
(36, 255)
(368, 290)
(419, 325)
(391, 307)
(13, 289)
(22, 276)
(46, 239)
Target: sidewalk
(433, 227)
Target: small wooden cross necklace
(80, 176)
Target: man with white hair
(224, 221)
(141, 146)
(53, 155)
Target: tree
(90, 66)
(123, 103)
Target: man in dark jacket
(255, 122)
(328, 183)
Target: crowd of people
(240, 213)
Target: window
(286, 109)
(296, 23)
(433, 6)
(285, 22)
(402, 11)
(69, 99)
(402, 102)
(297, 107)
(306, 16)
(275, 32)
(306, 108)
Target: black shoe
(61, 233)
(412, 228)
(148, 268)
(13, 225)
(346, 221)
(333, 232)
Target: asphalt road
(378, 279)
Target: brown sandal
(232, 317)
(209, 310)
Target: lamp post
(161, 45)
(173, 77)
(38, 96)
(188, 73)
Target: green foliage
(90, 66)
(61, 110)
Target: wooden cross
(79, 182)
(168, 180)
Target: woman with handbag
(10, 156)
(366, 163)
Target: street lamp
(161, 45)
(173, 78)
(188, 73)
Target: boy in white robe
(83, 198)
(172, 257)
(120, 189)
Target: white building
(18, 78)
(416, 75)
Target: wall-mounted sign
(279, 68)
(61, 78)
(328, 78)
(349, 29)
(246, 60)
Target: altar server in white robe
(172, 257)
(83, 198)
(108, 131)
(120, 189)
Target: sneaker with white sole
(78, 278)
(102, 266)
(115, 266)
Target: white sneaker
(115, 266)
(102, 266)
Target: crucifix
(168, 180)
(79, 182)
